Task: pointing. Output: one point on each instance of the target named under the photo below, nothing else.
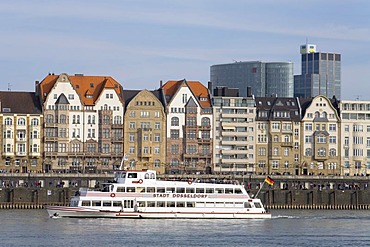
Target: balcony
(286, 144)
(234, 151)
(21, 139)
(20, 153)
(234, 161)
(234, 142)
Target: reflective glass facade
(264, 78)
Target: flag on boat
(269, 180)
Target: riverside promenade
(34, 190)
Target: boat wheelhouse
(139, 194)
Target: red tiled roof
(84, 85)
(199, 90)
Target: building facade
(83, 123)
(145, 130)
(264, 78)
(21, 125)
(321, 132)
(234, 131)
(320, 74)
(189, 130)
(278, 135)
(355, 136)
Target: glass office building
(264, 78)
(320, 74)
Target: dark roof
(62, 99)
(280, 105)
(20, 102)
(128, 95)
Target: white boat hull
(78, 212)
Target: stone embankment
(34, 191)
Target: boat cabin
(135, 176)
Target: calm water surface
(286, 228)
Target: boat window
(210, 190)
(161, 190)
(247, 205)
(220, 190)
(229, 204)
(121, 189)
(228, 191)
(131, 189)
(170, 204)
(200, 190)
(140, 189)
(85, 204)
(150, 204)
(199, 204)
(257, 205)
(238, 204)
(140, 204)
(132, 175)
(238, 191)
(146, 176)
(180, 204)
(170, 190)
(190, 204)
(74, 203)
(210, 204)
(190, 190)
(161, 204)
(105, 188)
(96, 203)
(180, 190)
(128, 203)
(152, 176)
(220, 204)
(150, 190)
(117, 204)
(107, 203)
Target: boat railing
(206, 180)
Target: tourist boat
(138, 194)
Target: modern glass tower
(264, 78)
(320, 73)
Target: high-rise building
(264, 78)
(320, 73)
(234, 130)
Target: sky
(141, 42)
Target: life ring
(190, 181)
(112, 195)
(140, 181)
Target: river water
(286, 228)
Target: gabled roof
(170, 89)
(84, 85)
(19, 102)
(128, 95)
(62, 99)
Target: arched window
(157, 163)
(34, 122)
(174, 121)
(321, 152)
(286, 138)
(333, 152)
(117, 120)
(324, 114)
(89, 119)
(175, 162)
(308, 152)
(49, 118)
(21, 121)
(206, 122)
(317, 114)
(276, 138)
(63, 119)
(8, 121)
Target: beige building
(320, 128)
(21, 126)
(278, 135)
(145, 130)
(355, 137)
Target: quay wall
(33, 191)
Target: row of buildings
(90, 124)
(320, 75)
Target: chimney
(210, 86)
(160, 84)
(249, 91)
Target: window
(321, 152)
(308, 152)
(275, 164)
(157, 137)
(206, 122)
(174, 121)
(174, 134)
(308, 126)
(8, 121)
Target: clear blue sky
(140, 42)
